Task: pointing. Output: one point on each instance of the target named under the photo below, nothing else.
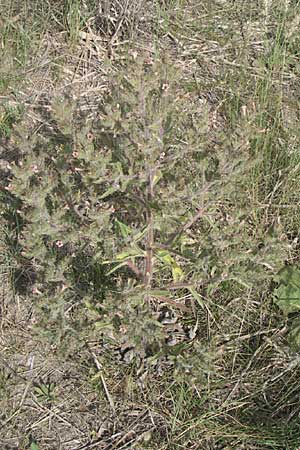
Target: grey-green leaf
(287, 294)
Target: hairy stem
(150, 234)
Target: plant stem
(150, 235)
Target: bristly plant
(124, 213)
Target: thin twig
(171, 302)
(186, 226)
(108, 396)
(100, 370)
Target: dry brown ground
(85, 405)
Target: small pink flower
(148, 61)
(75, 154)
(59, 244)
(34, 168)
(90, 136)
(35, 291)
(123, 329)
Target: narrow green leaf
(159, 292)
(167, 259)
(109, 192)
(124, 229)
(196, 297)
(34, 446)
(294, 334)
(137, 237)
(287, 294)
(118, 266)
(177, 273)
